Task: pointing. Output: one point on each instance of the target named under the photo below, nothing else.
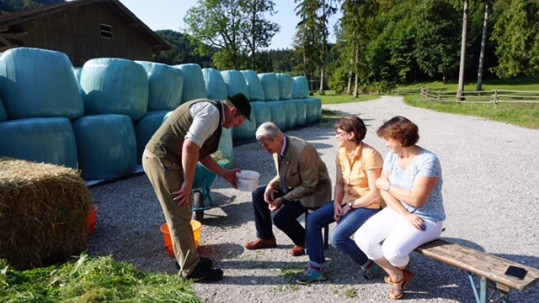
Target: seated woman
(356, 200)
(411, 185)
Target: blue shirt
(426, 164)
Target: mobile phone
(516, 272)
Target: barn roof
(132, 20)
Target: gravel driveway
(491, 195)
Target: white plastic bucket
(247, 180)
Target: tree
(312, 35)
(235, 27)
(465, 12)
(517, 34)
(437, 47)
(258, 31)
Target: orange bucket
(197, 230)
(92, 219)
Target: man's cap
(243, 104)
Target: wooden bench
(493, 285)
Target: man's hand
(183, 195)
(269, 194)
(230, 176)
(276, 204)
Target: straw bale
(43, 213)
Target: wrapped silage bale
(48, 140)
(193, 82)
(285, 86)
(312, 110)
(225, 144)
(114, 86)
(291, 113)
(278, 113)
(300, 88)
(301, 112)
(215, 85)
(106, 146)
(256, 91)
(261, 111)
(145, 128)
(3, 113)
(39, 83)
(235, 83)
(271, 86)
(77, 71)
(246, 131)
(165, 86)
(318, 108)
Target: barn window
(106, 31)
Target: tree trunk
(479, 86)
(463, 49)
(356, 64)
(349, 88)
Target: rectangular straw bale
(43, 213)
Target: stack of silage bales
(270, 83)
(115, 95)
(257, 97)
(165, 94)
(216, 87)
(300, 92)
(235, 83)
(40, 95)
(193, 82)
(285, 95)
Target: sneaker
(204, 263)
(311, 275)
(372, 271)
(205, 275)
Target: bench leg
(486, 291)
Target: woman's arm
(374, 192)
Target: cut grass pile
(91, 280)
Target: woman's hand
(382, 183)
(416, 221)
(338, 212)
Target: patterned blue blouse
(426, 164)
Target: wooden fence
(495, 96)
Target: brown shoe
(259, 243)
(297, 251)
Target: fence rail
(495, 96)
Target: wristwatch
(351, 205)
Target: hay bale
(43, 213)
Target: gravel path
(491, 197)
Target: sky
(169, 14)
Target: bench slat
(477, 262)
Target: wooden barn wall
(77, 33)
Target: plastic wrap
(49, 140)
(235, 83)
(114, 86)
(261, 111)
(193, 82)
(291, 113)
(3, 113)
(165, 86)
(278, 113)
(39, 83)
(215, 85)
(301, 112)
(285, 86)
(300, 88)
(271, 86)
(106, 146)
(256, 91)
(145, 128)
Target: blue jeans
(340, 237)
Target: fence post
(496, 98)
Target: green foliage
(91, 280)
(182, 50)
(517, 36)
(8, 6)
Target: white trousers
(389, 235)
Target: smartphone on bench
(516, 272)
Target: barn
(83, 30)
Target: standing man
(302, 182)
(189, 135)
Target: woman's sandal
(387, 279)
(397, 292)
